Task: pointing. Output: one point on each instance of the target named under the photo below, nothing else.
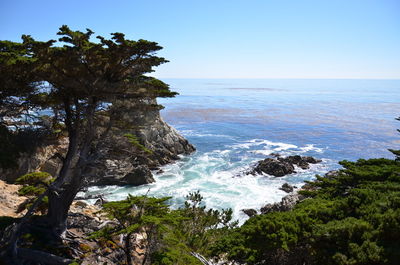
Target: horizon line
(289, 78)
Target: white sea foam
(197, 134)
(220, 179)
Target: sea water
(236, 122)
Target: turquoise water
(235, 122)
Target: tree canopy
(76, 85)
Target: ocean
(235, 122)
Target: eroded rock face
(119, 162)
(155, 134)
(47, 158)
(281, 166)
(138, 175)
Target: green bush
(33, 185)
(351, 218)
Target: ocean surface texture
(234, 123)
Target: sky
(234, 38)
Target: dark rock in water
(286, 204)
(141, 175)
(281, 166)
(295, 160)
(275, 155)
(250, 212)
(273, 167)
(301, 161)
(287, 188)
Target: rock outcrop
(119, 162)
(47, 157)
(286, 204)
(273, 167)
(281, 166)
(289, 201)
(250, 212)
(287, 188)
(115, 175)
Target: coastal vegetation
(352, 217)
(77, 88)
(73, 86)
(171, 236)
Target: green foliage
(175, 233)
(77, 81)
(33, 185)
(192, 229)
(135, 142)
(351, 218)
(134, 214)
(35, 178)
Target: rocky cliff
(119, 162)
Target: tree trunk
(128, 249)
(59, 203)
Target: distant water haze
(235, 122)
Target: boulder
(250, 212)
(281, 166)
(273, 167)
(100, 201)
(134, 176)
(295, 160)
(287, 188)
(300, 161)
(286, 204)
(331, 174)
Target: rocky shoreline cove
(119, 162)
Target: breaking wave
(218, 175)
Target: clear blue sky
(234, 38)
